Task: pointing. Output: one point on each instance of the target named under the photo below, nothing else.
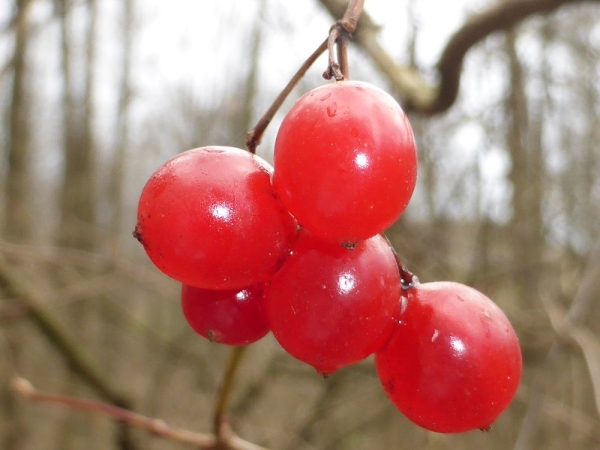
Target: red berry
(453, 363)
(330, 306)
(209, 218)
(233, 317)
(345, 161)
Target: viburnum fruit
(330, 306)
(233, 317)
(453, 363)
(345, 161)
(208, 218)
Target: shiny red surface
(330, 306)
(208, 218)
(233, 317)
(345, 161)
(453, 363)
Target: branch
(254, 136)
(339, 32)
(339, 35)
(17, 287)
(227, 382)
(201, 441)
(420, 96)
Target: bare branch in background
(201, 441)
(16, 285)
(417, 94)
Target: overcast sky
(197, 44)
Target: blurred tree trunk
(117, 169)
(527, 177)
(17, 219)
(77, 209)
(17, 223)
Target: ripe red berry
(233, 317)
(330, 306)
(345, 161)
(209, 218)
(453, 363)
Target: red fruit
(453, 363)
(208, 218)
(345, 161)
(233, 317)
(330, 306)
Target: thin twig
(341, 32)
(24, 388)
(333, 67)
(351, 16)
(339, 35)
(255, 135)
(418, 94)
(343, 57)
(219, 425)
(202, 441)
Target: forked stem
(339, 35)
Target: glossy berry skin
(208, 218)
(330, 306)
(345, 161)
(232, 317)
(453, 363)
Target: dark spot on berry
(389, 386)
(137, 233)
(349, 245)
(212, 336)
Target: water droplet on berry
(332, 109)
(325, 97)
(436, 333)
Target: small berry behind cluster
(296, 249)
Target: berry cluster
(297, 250)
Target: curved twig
(201, 441)
(420, 96)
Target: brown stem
(254, 136)
(333, 67)
(351, 16)
(158, 427)
(343, 56)
(201, 441)
(339, 35)
(342, 29)
(221, 431)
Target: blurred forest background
(93, 99)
